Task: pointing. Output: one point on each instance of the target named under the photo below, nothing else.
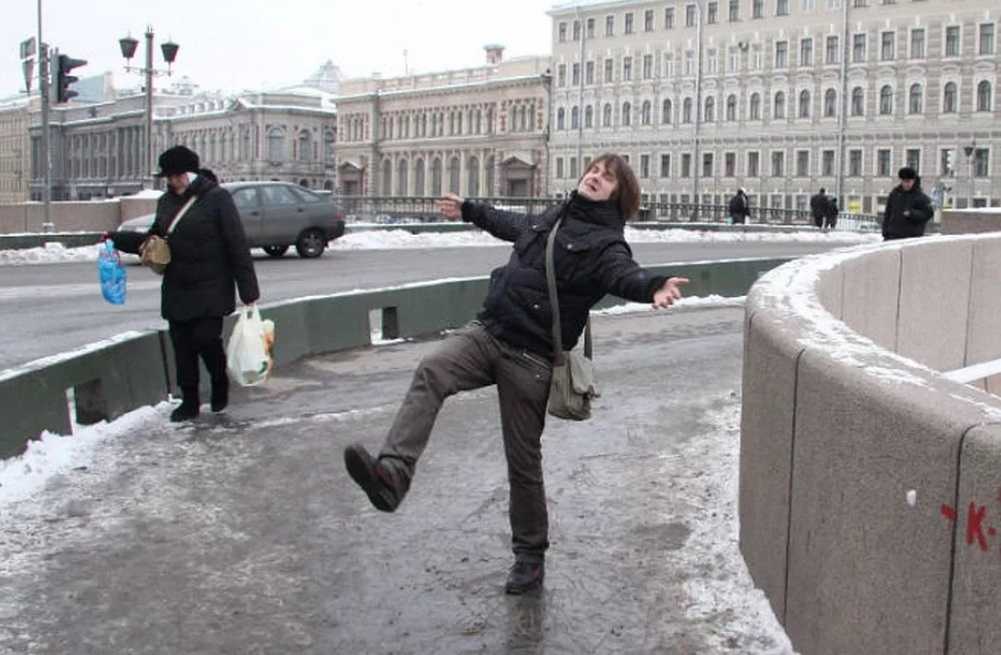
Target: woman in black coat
(209, 255)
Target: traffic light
(64, 65)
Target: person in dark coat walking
(831, 219)
(820, 208)
(908, 209)
(209, 256)
(510, 344)
(740, 208)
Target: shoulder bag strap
(181, 213)
(554, 302)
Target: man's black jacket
(906, 213)
(591, 258)
(208, 250)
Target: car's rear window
(305, 196)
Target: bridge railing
(423, 209)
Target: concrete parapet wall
(73, 216)
(129, 371)
(965, 221)
(860, 461)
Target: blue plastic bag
(111, 273)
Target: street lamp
(969, 150)
(698, 112)
(169, 50)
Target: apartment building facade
(475, 132)
(791, 96)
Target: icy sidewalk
(242, 533)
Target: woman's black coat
(208, 250)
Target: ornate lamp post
(169, 49)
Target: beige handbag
(572, 386)
(155, 252)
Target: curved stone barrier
(870, 485)
(116, 376)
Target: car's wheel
(311, 244)
(276, 251)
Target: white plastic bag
(248, 352)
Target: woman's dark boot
(220, 394)
(188, 408)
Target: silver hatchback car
(277, 215)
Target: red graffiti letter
(974, 521)
(948, 512)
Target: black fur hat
(907, 173)
(177, 160)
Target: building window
(669, 18)
(984, 96)
(559, 168)
(712, 16)
(710, 113)
(627, 111)
(590, 28)
(629, 24)
(686, 165)
(806, 52)
(646, 113)
(734, 10)
(949, 95)
(782, 7)
(606, 116)
(609, 25)
(647, 67)
(883, 163)
(561, 119)
(562, 29)
(780, 106)
(887, 45)
(731, 108)
(276, 144)
(858, 101)
(986, 39)
(712, 62)
(832, 52)
(945, 162)
(781, 54)
(707, 164)
(914, 99)
(686, 111)
(952, 41)
(574, 118)
(730, 164)
(802, 163)
(665, 112)
(734, 59)
(855, 163)
(644, 165)
(886, 100)
(754, 113)
(804, 104)
(575, 75)
(753, 164)
(561, 75)
(912, 158)
(917, 44)
(858, 48)
(757, 9)
(576, 30)
(830, 103)
(648, 20)
(665, 165)
(690, 16)
(981, 160)
(827, 163)
(609, 66)
(573, 168)
(589, 73)
(589, 116)
(778, 163)
(627, 69)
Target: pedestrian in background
(820, 208)
(209, 257)
(908, 209)
(740, 207)
(511, 345)
(831, 218)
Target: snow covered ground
(403, 240)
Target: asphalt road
(46, 309)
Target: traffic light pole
(44, 61)
(149, 108)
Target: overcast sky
(251, 44)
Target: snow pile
(50, 253)
(54, 454)
(690, 302)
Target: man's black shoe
(384, 485)
(220, 394)
(525, 576)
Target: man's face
(907, 184)
(177, 182)
(598, 183)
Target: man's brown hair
(627, 188)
